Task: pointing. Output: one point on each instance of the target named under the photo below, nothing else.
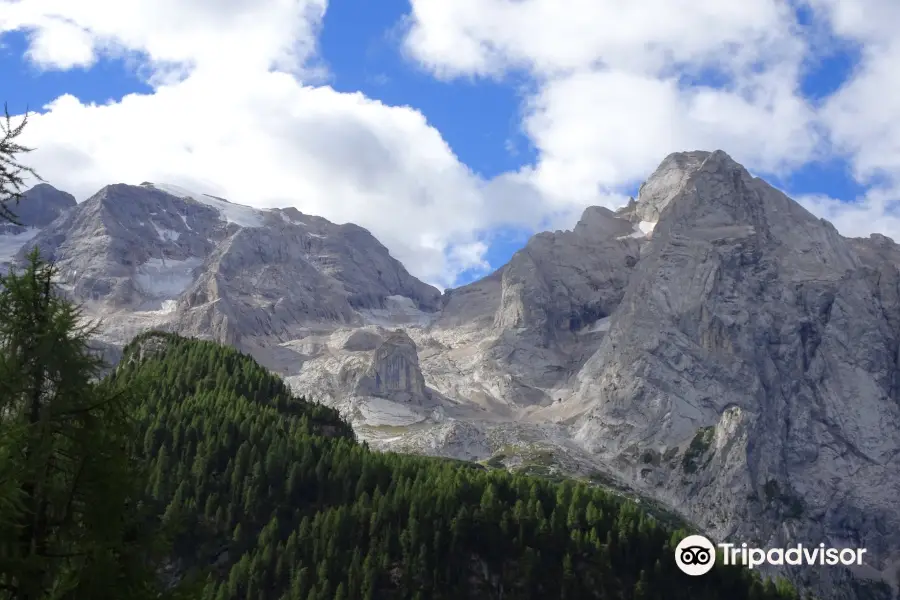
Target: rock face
(394, 372)
(754, 346)
(537, 318)
(203, 266)
(671, 175)
(711, 345)
(37, 208)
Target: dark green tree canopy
(276, 500)
(70, 479)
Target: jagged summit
(209, 267)
(668, 178)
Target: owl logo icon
(695, 555)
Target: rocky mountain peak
(39, 206)
(665, 183)
(752, 331)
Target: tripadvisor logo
(696, 555)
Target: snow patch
(641, 230)
(238, 214)
(166, 235)
(646, 227)
(11, 243)
(184, 220)
(163, 278)
(292, 221)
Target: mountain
(272, 498)
(749, 374)
(160, 256)
(711, 347)
(37, 208)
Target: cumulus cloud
(58, 44)
(606, 129)
(233, 113)
(877, 212)
(552, 36)
(864, 115)
(220, 35)
(622, 84)
(238, 109)
(270, 141)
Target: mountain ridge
(711, 345)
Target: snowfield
(238, 214)
(161, 278)
(641, 230)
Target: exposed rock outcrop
(394, 372)
(750, 316)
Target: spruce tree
(69, 482)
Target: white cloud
(235, 109)
(551, 36)
(877, 212)
(230, 113)
(607, 129)
(270, 141)
(221, 35)
(864, 115)
(60, 45)
(610, 104)
(622, 84)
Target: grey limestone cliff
(394, 372)
(756, 349)
(35, 210)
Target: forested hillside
(277, 500)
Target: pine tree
(68, 478)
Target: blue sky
(505, 116)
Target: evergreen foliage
(277, 501)
(71, 485)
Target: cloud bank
(239, 109)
